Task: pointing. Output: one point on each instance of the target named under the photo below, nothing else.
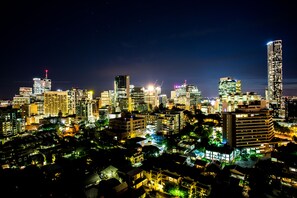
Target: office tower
(275, 76)
(21, 100)
(106, 98)
(47, 86)
(126, 128)
(187, 95)
(122, 92)
(25, 91)
(72, 101)
(291, 108)
(229, 86)
(137, 99)
(231, 102)
(42, 85)
(163, 100)
(151, 96)
(55, 102)
(85, 104)
(248, 126)
(37, 86)
(11, 122)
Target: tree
(150, 151)
(280, 128)
(161, 107)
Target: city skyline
(87, 44)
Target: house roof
(109, 169)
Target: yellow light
(151, 88)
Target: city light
(150, 88)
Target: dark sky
(86, 44)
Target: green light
(177, 192)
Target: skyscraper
(248, 126)
(55, 102)
(42, 85)
(186, 94)
(122, 92)
(229, 86)
(275, 76)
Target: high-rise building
(275, 76)
(42, 85)
(187, 95)
(163, 100)
(55, 102)
(72, 93)
(11, 122)
(85, 105)
(231, 102)
(122, 92)
(291, 108)
(248, 126)
(229, 86)
(25, 91)
(126, 128)
(151, 96)
(21, 100)
(137, 98)
(106, 98)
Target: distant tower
(275, 76)
(122, 92)
(47, 82)
(42, 85)
(229, 86)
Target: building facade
(11, 122)
(137, 98)
(248, 126)
(55, 102)
(229, 86)
(187, 95)
(122, 92)
(125, 128)
(275, 76)
(106, 98)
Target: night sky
(86, 44)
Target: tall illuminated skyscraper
(122, 92)
(228, 87)
(275, 76)
(55, 102)
(42, 85)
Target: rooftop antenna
(46, 73)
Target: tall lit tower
(47, 82)
(55, 102)
(122, 92)
(42, 85)
(275, 75)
